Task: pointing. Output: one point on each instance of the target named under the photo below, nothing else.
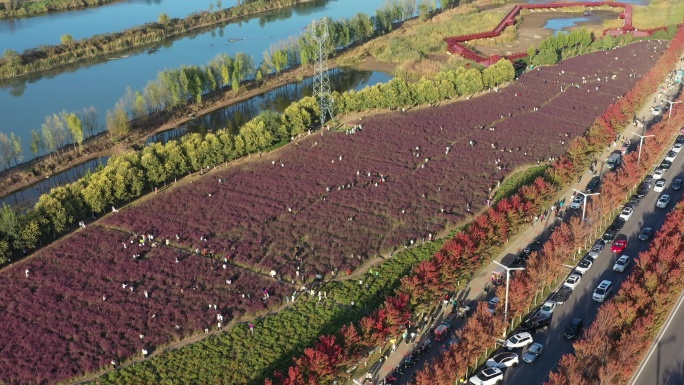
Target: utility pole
(669, 114)
(508, 278)
(641, 143)
(584, 207)
(321, 84)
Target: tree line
(26, 8)
(128, 176)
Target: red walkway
(454, 42)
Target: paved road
(580, 304)
(664, 364)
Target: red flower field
(86, 301)
(333, 199)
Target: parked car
(609, 236)
(572, 281)
(645, 234)
(626, 213)
(642, 190)
(577, 201)
(634, 201)
(657, 110)
(574, 329)
(663, 201)
(534, 351)
(519, 340)
(539, 321)
(677, 184)
(648, 179)
(441, 332)
(503, 360)
(658, 173)
(671, 155)
(583, 266)
(547, 308)
(680, 139)
(493, 303)
(602, 291)
(562, 295)
(450, 342)
(665, 165)
(593, 185)
(677, 147)
(617, 224)
(488, 376)
(527, 251)
(660, 185)
(619, 246)
(596, 248)
(621, 264)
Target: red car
(619, 246)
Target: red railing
(454, 46)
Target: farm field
(86, 301)
(310, 205)
(333, 199)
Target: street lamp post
(669, 114)
(641, 143)
(584, 206)
(508, 277)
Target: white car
(584, 266)
(671, 155)
(656, 111)
(658, 173)
(621, 264)
(577, 201)
(572, 281)
(488, 376)
(533, 352)
(547, 308)
(677, 147)
(626, 213)
(663, 201)
(519, 340)
(660, 185)
(503, 360)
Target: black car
(645, 234)
(648, 179)
(526, 252)
(634, 201)
(536, 323)
(593, 185)
(562, 295)
(574, 329)
(608, 236)
(677, 184)
(617, 224)
(643, 190)
(680, 139)
(665, 165)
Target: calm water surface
(25, 102)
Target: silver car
(533, 352)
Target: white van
(602, 291)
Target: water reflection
(231, 117)
(277, 100)
(25, 199)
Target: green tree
(90, 119)
(36, 142)
(29, 234)
(17, 151)
(117, 121)
(6, 150)
(76, 128)
(55, 213)
(4, 251)
(66, 39)
(154, 169)
(13, 58)
(255, 135)
(163, 18)
(9, 222)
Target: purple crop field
(332, 199)
(86, 301)
(328, 201)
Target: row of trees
(126, 177)
(467, 250)
(27, 8)
(546, 266)
(634, 316)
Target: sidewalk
(473, 290)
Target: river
(25, 102)
(232, 117)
